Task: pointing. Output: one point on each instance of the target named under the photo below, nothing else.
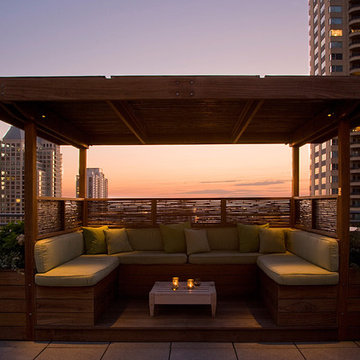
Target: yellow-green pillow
(173, 237)
(249, 237)
(117, 241)
(272, 241)
(95, 240)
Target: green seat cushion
(289, 269)
(196, 241)
(224, 257)
(249, 237)
(85, 270)
(272, 241)
(151, 258)
(173, 237)
(95, 240)
(117, 241)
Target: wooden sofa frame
(74, 306)
(299, 305)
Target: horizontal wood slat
(61, 305)
(12, 305)
(12, 319)
(11, 278)
(12, 292)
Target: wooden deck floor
(236, 320)
(230, 314)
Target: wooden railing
(59, 215)
(317, 213)
(199, 211)
(311, 213)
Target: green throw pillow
(173, 237)
(249, 237)
(117, 241)
(272, 241)
(95, 240)
(196, 241)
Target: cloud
(217, 181)
(263, 183)
(209, 191)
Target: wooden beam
(295, 171)
(295, 183)
(82, 173)
(247, 114)
(123, 111)
(343, 223)
(31, 225)
(323, 124)
(177, 87)
(50, 122)
(83, 184)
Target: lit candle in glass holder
(190, 284)
(175, 283)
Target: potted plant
(12, 246)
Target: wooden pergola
(131, 110)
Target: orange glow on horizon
(191, 171)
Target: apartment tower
(97, 184)
(49, 167)
(335, 50)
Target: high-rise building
(49, 167)
(97, 184)
(335, 50)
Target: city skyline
(203, 37)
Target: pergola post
(295, 183)
(343, 223)
(31, 225)
(82, 181)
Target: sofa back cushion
(317, 249)
(54, 251)
(223, 238)
(145, 239)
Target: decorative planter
(12, 305)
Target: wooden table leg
(213, 304)
(151, 303)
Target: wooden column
(82, 183)
(31, 225)
(295, 183)
(343, 222)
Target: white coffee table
(162, 294)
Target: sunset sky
(204, 37)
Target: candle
(175, 283)
(190, 284)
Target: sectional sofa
(294, 270)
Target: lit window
(336, 32)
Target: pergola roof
(127, 110)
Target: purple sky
(114, 37)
